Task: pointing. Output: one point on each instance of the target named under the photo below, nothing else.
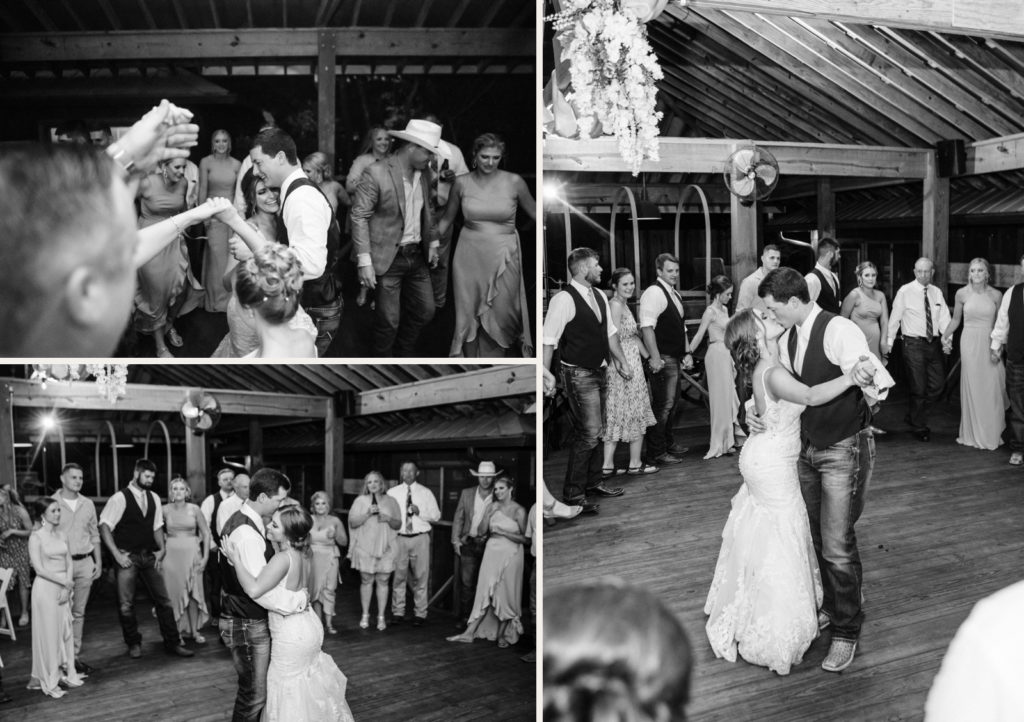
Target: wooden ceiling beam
(871, 125)
(493, 10)
(162, 398)
(490, 383)
(453, 21)
(215, 14)
(41, 16)
(248, 14)
(794, 41)
(974, 104)
(995, 155)
(69, 8)
(706, 155)
(741, 121)
(147, 13)
(751, 73)
(915, 94)
(179, 13)
(267, 43)
(421, 17)
(983, 62)
(992, 18)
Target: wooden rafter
(456, 16)
(421, 17)
(490, 383)
(492, 12)
(992, 18)
(179, 13)
(41, 16)
(72, 13)
(262, 43)
(115, 22)
(215, 14)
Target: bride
(766, 590)
(303, 683)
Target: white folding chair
(6, 624)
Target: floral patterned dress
(628, 406)
(14, 549)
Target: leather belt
(80, 557)
(419, 533)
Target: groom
(838, 449)
(243, 621)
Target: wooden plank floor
(942, 529)
(403, 673)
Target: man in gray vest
(131, 525)
(838, 449)
(1009, 332)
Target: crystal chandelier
(111, 379)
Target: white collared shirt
(208, 503)
(424, 500)
(1002, 326)
(113, 510)
(814, 284)
(307, 216)
(747, 296)
(251, 546)
(562, 310)
(653, 303)
(478, 510)
(908, 310)
(844, 344)
(411, 232)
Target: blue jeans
(1015, 390)
(405, 304)
(144, 567)
(834, 484)
(585, 390)
(249, 642)
(664, 397)
(924, 375)
(327, 319)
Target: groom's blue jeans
(834, 483)
(249, 642)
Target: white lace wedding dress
(303, 683)
(766, 590)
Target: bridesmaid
(327, 535)
(718, 363)
(628, 405)
(187, 548)
(53, 640)
(983, 399)
(218, 173)
(866, 306)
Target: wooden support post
(334, 455)
(935, 230)
(826, 209)
(195, 464)
(743, 222)
(7, 467)
(255, 445)
(326, 42)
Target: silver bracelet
(181, 231)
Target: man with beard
(466, 537)
(395, 237)
(209, 508)
(579, 325)
(822, 281)
(132, 528)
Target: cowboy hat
(486, 468)
(425, 134)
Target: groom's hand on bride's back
(755, 424)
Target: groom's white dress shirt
(251, 546)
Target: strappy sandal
(642, 469)
(609, 472)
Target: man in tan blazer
(469, 545)
(395, 237)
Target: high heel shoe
(364, 621)
(381, 624)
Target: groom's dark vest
(234, 602)
(1015, 333)
(324, 290)
(844, 415)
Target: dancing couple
(265, 597)
(805, 469)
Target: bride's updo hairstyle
(741, 340)
(296, 523)
(613, 653)
(271, 282)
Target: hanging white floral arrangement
(612, 69)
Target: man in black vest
(243, 621)
(1009, 331)
(822, 281)
(131, 525)
(209, 508)
(664, 335)
(838, 451)
(313, 230)
(579, 326)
